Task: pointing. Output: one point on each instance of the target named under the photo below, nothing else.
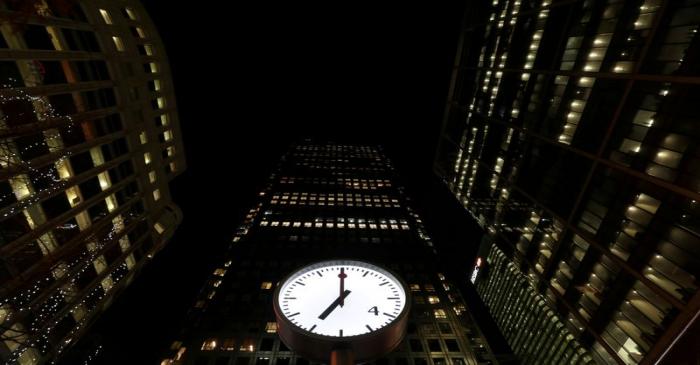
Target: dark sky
(251, 78)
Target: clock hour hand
(334, 305)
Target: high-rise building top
(571, 135)
(89, 139)
(326, 201)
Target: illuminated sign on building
(476, 270)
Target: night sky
(252, 78)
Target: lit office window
(209, 345)
(271, 327)
(105, 16)
(118, 44)
(130, 13)
(140, 32)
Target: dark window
(12, 228)
(66, 231)
(52, 72)
(128, 69)
(36, 37)
(114, 123)
(98, 99)
(43, 177)
(98, 211)
(8, 197)
(90, 188)
(242, 360)
(415, 345)
(266, 344)
(445, 327)
(125, 169)
(72, 135)
(80, 40)
(9, 75)
(92, 70)
(222, 361)
(18, 112)
(112, 253)
(452, 345)
(81, 162)
(434, 345)
(63, 104)
(31, 146)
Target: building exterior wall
(571, 135)
(89, 139)
(326, 201)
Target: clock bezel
(365, 345)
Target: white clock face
(341, 298)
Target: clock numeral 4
(374, 310)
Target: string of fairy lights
(43, 313)
(47, 316)
(12, 157)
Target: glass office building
(571, 134)
(89, 140)
(326, 201)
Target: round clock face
(341, 298)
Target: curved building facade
(571, 135)
(89, 140)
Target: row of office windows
(340, 222)
(350, 183)
(331, 148)
(530, 326)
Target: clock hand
(333, 305)
(342, 277)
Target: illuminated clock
(341, 304)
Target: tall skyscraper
(89, 140)
(571, 134)
(326, 201)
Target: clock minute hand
(342, 277)
(333, 305)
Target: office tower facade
(89, 140)
(571, 136)
(326, 201)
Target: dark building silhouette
(326, 201)
(571, 135)
(89, 140)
